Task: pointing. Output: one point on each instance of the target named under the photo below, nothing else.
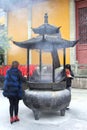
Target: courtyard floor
(75, 118)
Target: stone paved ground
(74, 119)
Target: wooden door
(81, 31)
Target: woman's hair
(15, 64)
(68, 66)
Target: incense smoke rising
(15, 4)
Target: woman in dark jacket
(13, 90)
(69, 76)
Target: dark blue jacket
(13, 83)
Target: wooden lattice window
(82, 25)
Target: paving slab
(75, 118)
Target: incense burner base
(47, 101)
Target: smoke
(8, 5)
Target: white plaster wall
(6, 25)
(72, 31)
(29, 29)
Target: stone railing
(80, 70)
(80, 80)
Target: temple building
(21, 16)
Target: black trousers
(14, 106)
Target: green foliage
(4, 39)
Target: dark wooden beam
(79, 0)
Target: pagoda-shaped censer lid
(46, 28)
(45, 41)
